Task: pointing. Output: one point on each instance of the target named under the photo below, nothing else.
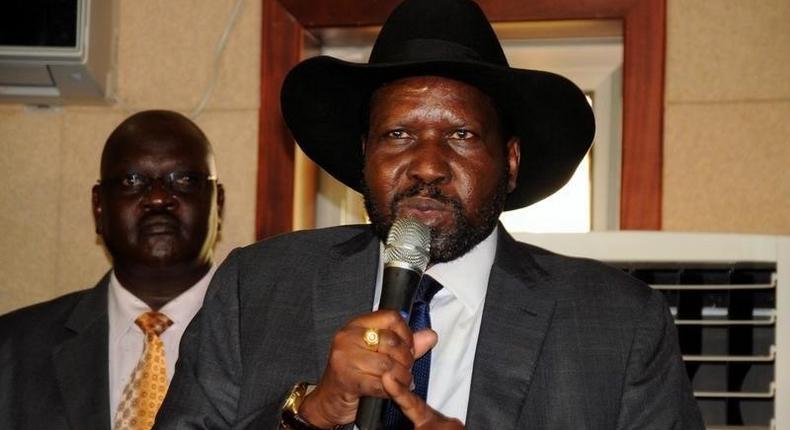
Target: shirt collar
(124, 307)
(466, 277)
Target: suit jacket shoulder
(570, 278)
(305, 246)
(53, 363)
(34, 323)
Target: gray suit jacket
(564, 343)
(53, 363)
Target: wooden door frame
(286, 22)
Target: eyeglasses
(175, 182)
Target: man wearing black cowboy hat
(435, 127)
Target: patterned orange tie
(144, 393)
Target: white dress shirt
(126, 339)
(456, 313)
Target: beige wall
(727, 131)
(50, 157)
(727, 119)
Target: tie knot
(427, 289)
(153, 322)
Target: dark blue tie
(420, 319)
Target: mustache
(425, 190)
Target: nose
(429, 163)
(159, 196)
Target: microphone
(406, 255)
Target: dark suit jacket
(53, 363)
(565, 343)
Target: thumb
(424, 340)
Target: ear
(513, 153)
(220, 205)
(96, 203)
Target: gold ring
(371, 338)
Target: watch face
(295, 397)
(290, 418)
(290, 402)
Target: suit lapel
(516, 318)
(80, 362)
(344, 288)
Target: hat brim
(323, 100)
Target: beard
(447, 244)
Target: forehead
(418, 92)
(156, 152)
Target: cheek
(467, 174)
(122, 220)
(475, 183)
(196, 218)
(381, 177)
(119, 228)
(466, 188)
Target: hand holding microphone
(351, 385)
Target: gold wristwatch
(289, 416)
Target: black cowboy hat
(324, 99)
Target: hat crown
(437, 30)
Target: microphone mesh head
(408, 245)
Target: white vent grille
(730, 296)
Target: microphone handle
(397, 293)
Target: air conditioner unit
(55, 51)
(730, 296)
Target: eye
(185, 181)
(397, 134)
(133, 181)
(462, 134)
(184, 178)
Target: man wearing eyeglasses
(103, 357)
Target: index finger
(412, 406)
